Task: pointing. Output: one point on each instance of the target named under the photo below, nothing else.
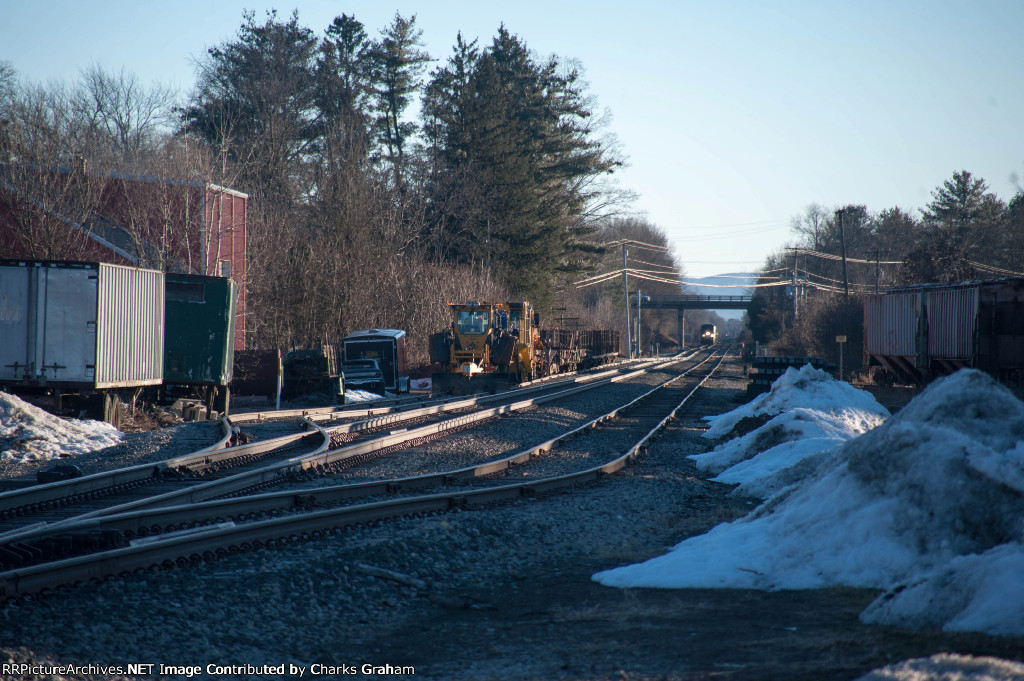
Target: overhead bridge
(695, 302)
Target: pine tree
(397, 64)
(961, 224)
(523, 129)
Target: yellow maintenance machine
(487, 347)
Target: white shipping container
(85, 325)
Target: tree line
(380, 187)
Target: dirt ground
(556, 623)
(564, 626)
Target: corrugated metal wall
(952, 323)
(892, 324)
(129, 327)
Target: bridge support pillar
(679, 320)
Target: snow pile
(949, 667)
(929, 505)
(808, 388)
(28, 433)
(812, 413)
(361, 396)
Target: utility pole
(842, 243)
(639, 351)
(796, 295)
(625, 294)
(878, 269)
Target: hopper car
(920, 332)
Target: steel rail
(52, 495)
(401, 404)
(63, 492)
(221, 509)
(49, 494)
(324, 456)
(196, 545)
(276, 472)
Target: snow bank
(812, 413)
(808, 388)
(28, 433)
(928, 505)
(949, 667)
(361, 396)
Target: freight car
(78, 337)
(199, 343)
(75, 334)
(919, 332)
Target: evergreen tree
(255, 106)
(397, 64)
(343, 92)
(524, 130)
(960, 225)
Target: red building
(169, 225)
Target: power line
(829, 256)
(638, 244)
(994, 270)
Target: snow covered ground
(28, 433)
(927, 505)
(949, 667)
(361, 396)
(809, 414)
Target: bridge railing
(697, 301)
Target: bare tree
(812, 226)
(126, 118)
(46, 193)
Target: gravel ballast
(497, 593)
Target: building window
(224, 268)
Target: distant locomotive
(708, 334)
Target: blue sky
(734, 115)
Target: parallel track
(30, 515)
(231, 525)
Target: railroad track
(256, 466)
(251, 465)
(167, 535)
